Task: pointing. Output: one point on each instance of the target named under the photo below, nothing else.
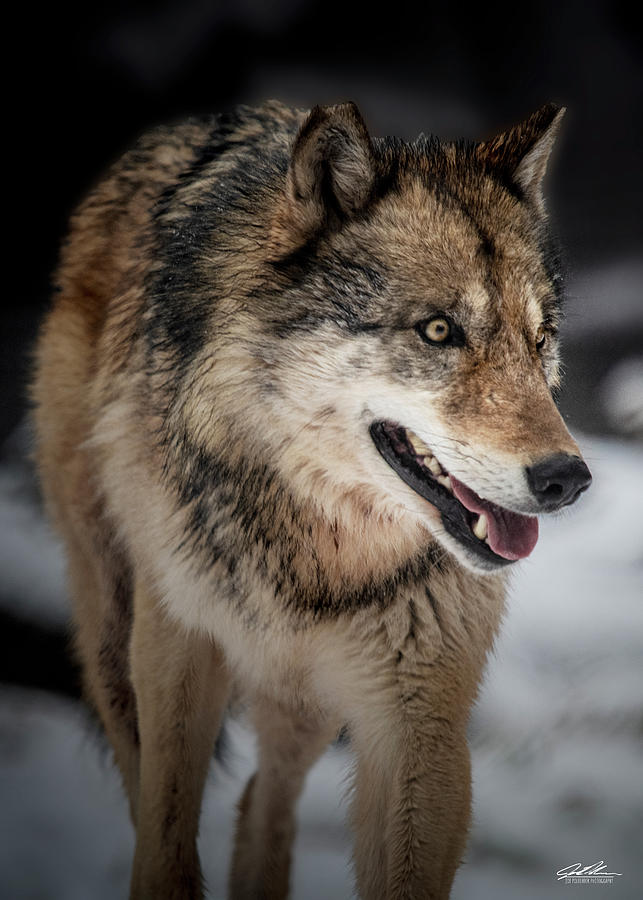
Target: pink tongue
(510, 534)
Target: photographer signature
(577, 869)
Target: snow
(31, 559)
(608, 295)
(556, 735)
(622, 396)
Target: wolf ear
(521, 154)
(330, 176)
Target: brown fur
(226, 292)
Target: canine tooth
(419, 446)
(434, 466)
(445, 481)
(480, 528)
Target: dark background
(90, 79)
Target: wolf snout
(558, 480)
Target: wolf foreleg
(181, 686)
(411, 810)
(405, 692)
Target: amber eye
(437, 330)
(440, 329)
(540, 337)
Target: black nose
(558, 480)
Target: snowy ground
(557, 736)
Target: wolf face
(413, 350)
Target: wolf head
(407, 343)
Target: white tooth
(445, 481)
(434, 466)
(480, 528)
(418, 445)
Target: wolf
(294, 406)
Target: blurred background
(558, 733)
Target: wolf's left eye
(541, 336)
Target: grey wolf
(294, 416)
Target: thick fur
(236, 305)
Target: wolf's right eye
(437, 330)
(440, 330)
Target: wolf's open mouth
(493, 533)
